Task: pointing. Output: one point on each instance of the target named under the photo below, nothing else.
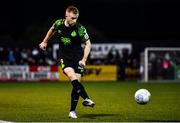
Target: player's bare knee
(72, 77)
(70, 73)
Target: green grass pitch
(50, 102)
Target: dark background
(142, 22)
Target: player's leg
(77, 86)
(87, 101)
(74, 95)
(80, 88)
(77, 90)
(69, 72)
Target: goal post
(161, 64)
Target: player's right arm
(50, 33)
(43, 44)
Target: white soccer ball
(142, 96)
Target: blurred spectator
(49, 57)
(1, 55)
(123, 64)
(17, 54)
(11, 57)
(168, 67)
(113, 56)
(35, 55)
(24, 56)
(153, 72)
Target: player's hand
(82, 63)
(43, 45)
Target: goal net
(161, 64)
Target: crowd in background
(26, 56)
(164, 64)
(35, 56)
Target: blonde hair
(73, 9)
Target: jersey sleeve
(83, 33)
(57, 23)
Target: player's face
(71, 18)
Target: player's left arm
(87, 49)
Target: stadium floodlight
(161, 63)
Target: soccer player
(72, 56)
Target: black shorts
(64, 63)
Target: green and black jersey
(70, 39)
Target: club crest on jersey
(73, 34)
